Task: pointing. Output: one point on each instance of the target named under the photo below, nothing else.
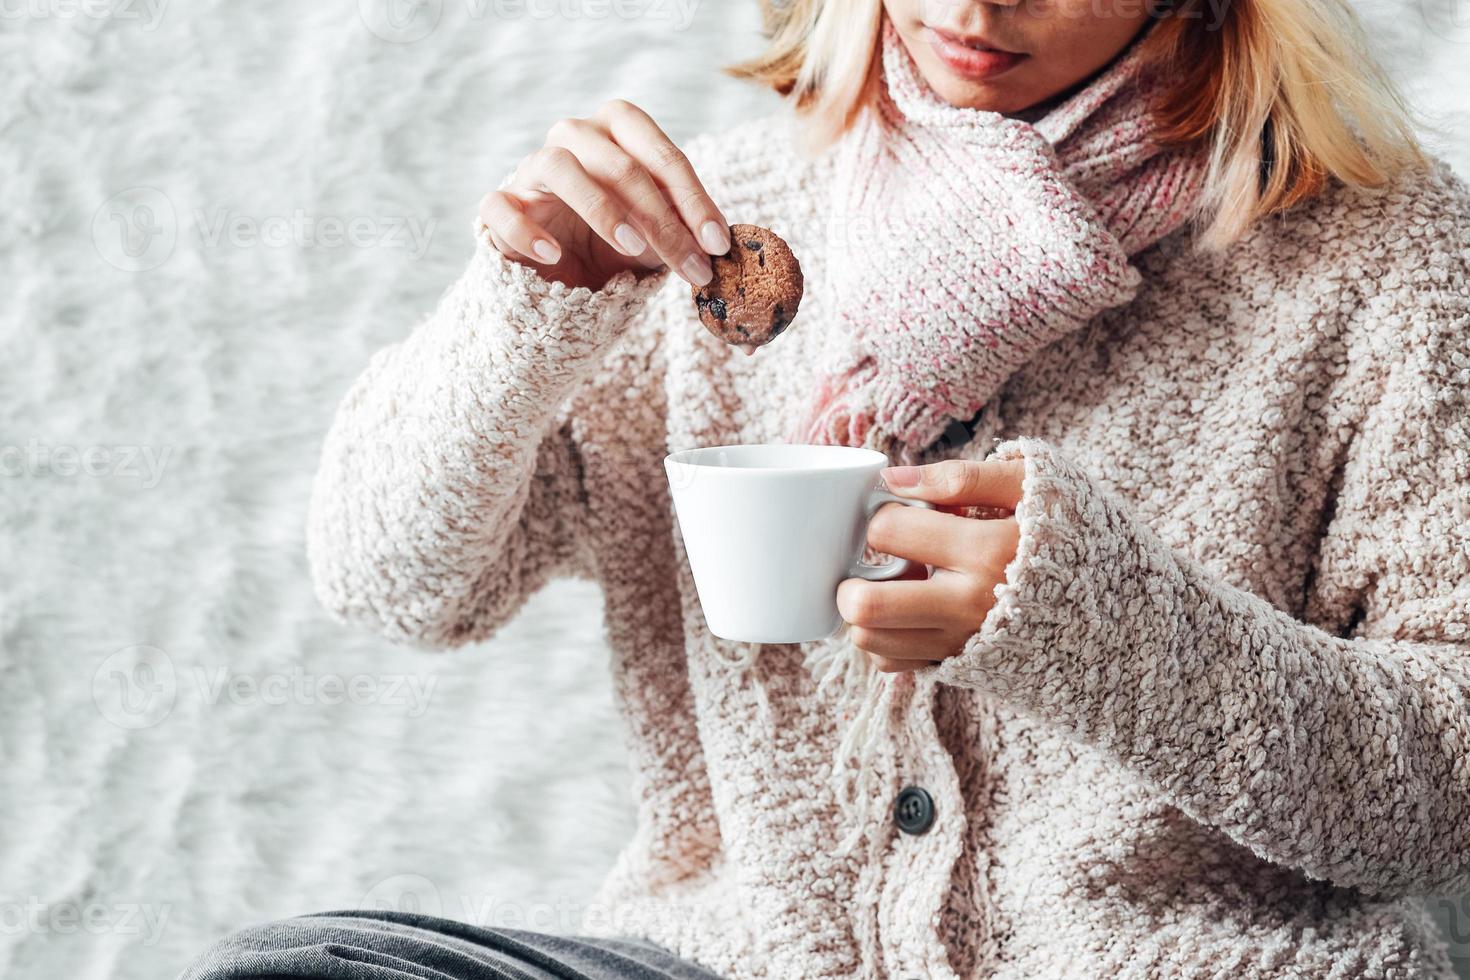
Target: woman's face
(1009, 55)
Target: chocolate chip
(754, 246)
(717, 307)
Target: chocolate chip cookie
(756, 290)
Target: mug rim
(862, 458)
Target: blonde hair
(1283, 93)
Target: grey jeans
(396, 946)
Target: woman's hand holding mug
(606, 195)
(911, 623)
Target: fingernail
(715, 237)
(546, 252)
(901, 476)
(629, 240)
(697, 270)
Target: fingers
(887, 665)
(652, 220)
(622, 176)
(904, 624)
(636, 132)
(992, 482)
(512, 231)
(895, 650)
(935, 538)
(948, 600)
(559, 171)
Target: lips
(972, 58)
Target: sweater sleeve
(449, 488)
(1347, 757)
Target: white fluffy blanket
(211, 214)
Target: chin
(966, 97)
(1005, 94)
(987, 96)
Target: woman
(1188, 692)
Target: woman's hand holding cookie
(906, 624)
(605, 195)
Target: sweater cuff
(538, 313)
(506, 347)
(1049, 612)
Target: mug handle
(897, 567)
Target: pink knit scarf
(990, 239)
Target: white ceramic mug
(772, 530)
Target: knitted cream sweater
(1218, 723)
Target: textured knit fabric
(929, 284)
(1217, 725)
(401, 946)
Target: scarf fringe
(845, 679)
(853, 408)
(843, 672)
(834, 418)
